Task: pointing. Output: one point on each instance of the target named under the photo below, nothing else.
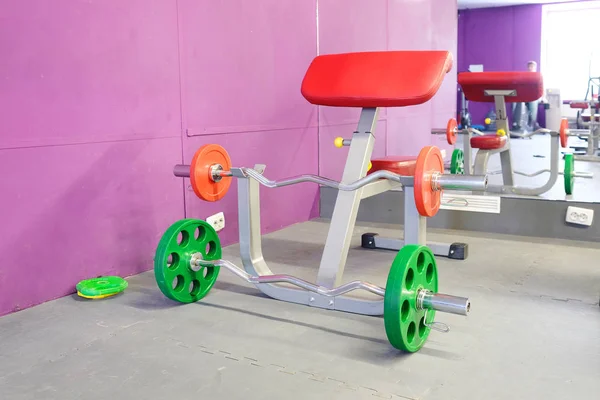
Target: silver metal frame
(337, 245)
(342, 225)
(415, 232)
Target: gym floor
(533, 332)
(530, 155)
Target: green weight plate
(174, 275)
(414, 268)
(101, 287)
(457, 166)
(568, 173)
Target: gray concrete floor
(533, 154)
(533, 333)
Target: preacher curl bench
(188, 257)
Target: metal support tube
(502, 123)
(443, 302)
(459, 182)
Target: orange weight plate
(564, 128)
(451, 131)
(200, 172)
(427, 200)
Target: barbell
(210, 174)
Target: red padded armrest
(579, 104)
(375, 79)
(529, 85)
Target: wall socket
(580, 216)
(217, 221)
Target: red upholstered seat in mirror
(488, 142)
(528, 85)
(579, 105)
(375, 79)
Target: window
(570, 51)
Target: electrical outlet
(217, 221)
(443, 151)
(580, 216)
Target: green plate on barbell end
(99, 288)
(457, 165)
(568, 173)
(414, 268)
(174, 275)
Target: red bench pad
(488, 142)
(375, 79)
(579, 105)
(529, 85)
(401, 165)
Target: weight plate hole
(421, 262)
(194, 287)
(183, 238)
(178, 283)
(173, 261)
(410, 332)
(200, 233)
(405, 310)
(211, 249)
(429, 273)
(410, 278)
(422, 327)
(208, 273)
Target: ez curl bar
(211, 169)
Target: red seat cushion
(401, 165)
(488, 142)
(528, 85)
(375, 79)
(579, 104)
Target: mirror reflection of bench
(497, 88)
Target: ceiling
(462, 4)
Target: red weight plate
(427, 200)
(564, 129)
(200, 172)
(451, 131)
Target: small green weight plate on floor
(568, 173)
(99, 288)
(414, 268)
(174, 274)
(457, 166)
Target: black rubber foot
(458, 251)
(368, 240)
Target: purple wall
(502, 39)
(101, 99)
